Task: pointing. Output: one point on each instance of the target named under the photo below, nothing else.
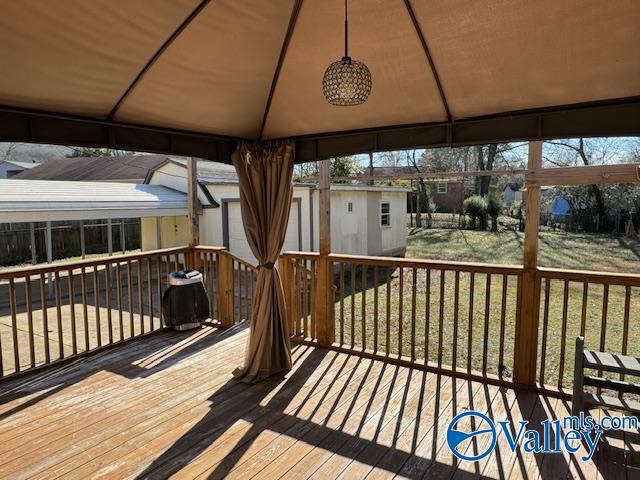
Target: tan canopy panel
(192, 77)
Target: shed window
(385, 214)
(442, 188)
(349, 207)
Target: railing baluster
(14, 325)
(353, 304)
(107, 296)
(563, 333)
(545, 330)
(456, 310)
(388, 325)
(240, 295)
(375, 309)
(472, 286)
(427, 317)
(159, 291)
(29, 306)
(441, 317)
(625, 323)
(312, 300)
(45, 318)
(363, 315)
(72, 311)
(152, 323)
(305, 300)
(119, 299)
(605, 310)
(487, 312)
(130, 297)
(583, 316)
(503, 319)
(139, 285)
(341, 295)
(400, 310)
(413, 313)
(85, 312)
(96, 299)
(58, 301)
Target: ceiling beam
(283, 52)
(30, 126)
(618, 117)
(185, 23)
(611, 118)
(432, 66)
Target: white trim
(446, 187)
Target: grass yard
(488, 332)
(574, 251)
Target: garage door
(238, 241)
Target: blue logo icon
(464, 428)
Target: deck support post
(49, 259)
(324, 311)
(194, 224)
(526, 334)
(32, 236)
(83, 247)
(109, 237)
(225, 290)
(123, 241)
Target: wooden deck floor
(167, 405)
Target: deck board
(167, 406)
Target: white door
(238, 244)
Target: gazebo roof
(192, 77)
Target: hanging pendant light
(346, 82)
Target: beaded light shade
(346, 82)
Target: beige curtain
(265, 174)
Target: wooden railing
(448, 317)
(230, 283)
(56, 312)
(462, 318)
(602, 307)
(445, 316)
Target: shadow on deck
(167, 405)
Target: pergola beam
(618, 117)
(537, 177)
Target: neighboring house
(512, 193)
(125, 169)
(448, 196)
(11, 168)
(365, 220)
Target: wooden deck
(167, 405)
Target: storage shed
(366, 220)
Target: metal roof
(125, 168)
(42, 200)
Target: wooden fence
(15, 239)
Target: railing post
(526, 334)
(288, 286)
(225, 290)
(324, 310)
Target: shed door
(238, 244)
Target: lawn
(488, 331)
(575, 251)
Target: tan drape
(265, 174)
